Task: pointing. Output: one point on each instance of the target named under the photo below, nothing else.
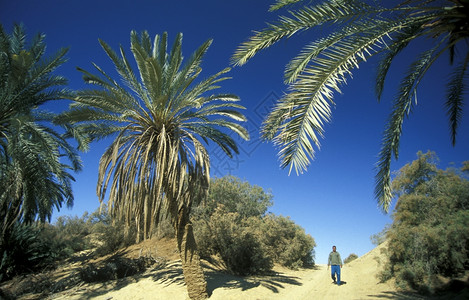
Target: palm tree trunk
(191, 267)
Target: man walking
(336, 264)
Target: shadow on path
(273, 281)
(172, 274)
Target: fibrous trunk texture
(191, 266)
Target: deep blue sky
(333, 201)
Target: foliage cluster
(41, 246)
(350, 258)
(430, 231)
(28, 249)
(35, 159)
(226, 234)
(232, 223)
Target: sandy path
(359, 275)
(316, 284)
(293, 285)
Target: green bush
(164, 229)
(287, 243)
(252, 245)
(224, 235)
(350, 258)
(236, 196)
(73, 232)
(32, 247)
(113, 237)
(379, 238)
(430, 231)
(93, 231)
(26, 250)
(233, 224)
(245, 255)
(113, 268)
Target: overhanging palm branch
(359, 30)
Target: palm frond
(38, 47)
(17, 39)
(391, 137)
(361, 29)
(174, 62)
(192, 65)
(455, 102)
(400, 41)
(187, 98)
(306, 107)
(282, 3)
(334, 12)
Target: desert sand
(315, 283)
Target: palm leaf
(282, 3)
(391, 137)
(455, 102)
(306, 107)
(335, 11)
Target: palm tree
(157, 165)
(33, 177)
(360, 29)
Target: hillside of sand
(166, 281)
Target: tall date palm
(157, 164)
(359, 30)
(34, 179)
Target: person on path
(336, 264)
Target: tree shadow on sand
(172, 274)
(215, 278)
(169, 274)
(273, 281)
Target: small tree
(430, 231)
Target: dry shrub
(239, 249)
(252, 245)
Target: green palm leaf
(33, 176)
(359, 30)
(455, 102)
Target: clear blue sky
(334, 200)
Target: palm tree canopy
(160, 117)
(33, 177)
(360, 29)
